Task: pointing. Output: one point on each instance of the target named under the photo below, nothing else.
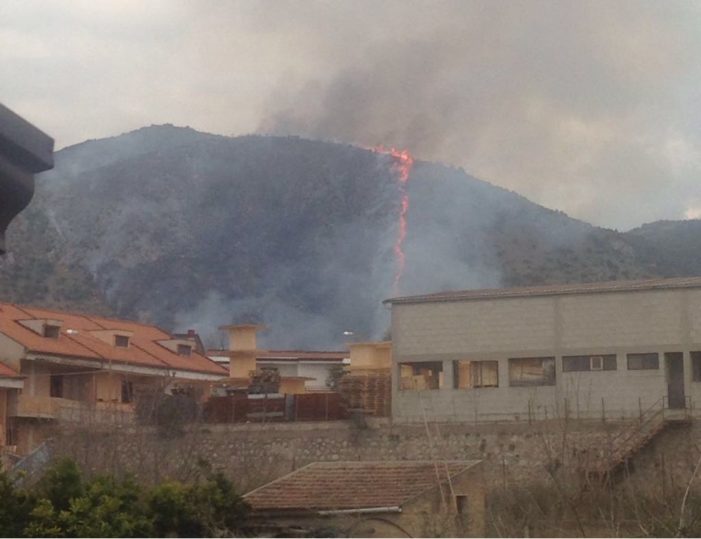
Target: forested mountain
(186, 229)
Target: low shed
(374, 499)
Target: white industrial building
(597, 350)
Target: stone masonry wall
(254, 454)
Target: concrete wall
(10, 352)
(4, 398)
(585, 324)
(37, 383)
(320, 373)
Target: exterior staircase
(30, 467)
(616, 453)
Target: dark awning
(24, 151)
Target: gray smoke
(563, 101)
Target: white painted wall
(584, 324)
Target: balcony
(35, 407)
(71, 411)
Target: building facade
(300, 371)
(59, 366)
(599, 350)
(402, 498)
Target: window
(184, 350)
(473, 374)
(51, 331)
(56, 385)
(589, 363)
(423, 375)
(127, 391)
(532, 371)
(696, 366)
(461, 505)
(638, 362)
(121, 340)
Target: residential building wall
(318, 371)
(497, 329)
(10, 352)
(4, 398)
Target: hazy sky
(589, 107)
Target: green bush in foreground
(64, 504)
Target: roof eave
(528, 292)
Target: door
(675, 379)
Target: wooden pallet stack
(369, 391)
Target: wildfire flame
(403, 163)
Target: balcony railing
(70, 410)
(37, 407)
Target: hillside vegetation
(186, 229)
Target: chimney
(243, 349)
(191, 333)
(370, 355)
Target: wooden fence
(241, 408)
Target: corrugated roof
(327, 486)
(143, 350)
(553, 290)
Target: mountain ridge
(181, 228)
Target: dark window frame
(127, 396)
(648, 361)
(480, 364)
(184, 350)
(548, 378)
(583, 363)
(51, 331)
(461, 504)
(695, 366)
(56, 386)
(121, 341)
(416, 367)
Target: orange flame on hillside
(403, 163)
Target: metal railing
(651, 420)
(651, 413)
(28, 467)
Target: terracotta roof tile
(352, 485)
(143, 350)
(553, 290)
(7, 372)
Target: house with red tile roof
(374, 499)
(80, 367)
(299, 371)
(312, 368)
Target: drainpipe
(24, 151)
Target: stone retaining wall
(255, 453)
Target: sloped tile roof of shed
(144, 349)
(352, 485)
(553, 290)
